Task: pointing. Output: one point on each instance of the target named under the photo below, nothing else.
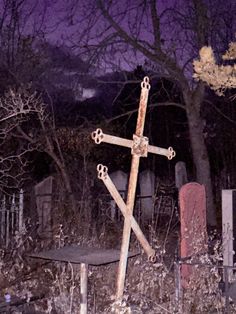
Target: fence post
(21, 207)
(178, 287)
(226, 275)
(13, 214)
(7, 228)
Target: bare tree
(13, 158)
(26, 121)
(22, 25)
(166, 36)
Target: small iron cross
(139, 148)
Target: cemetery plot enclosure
(11, 217)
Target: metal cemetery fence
(11, 217)
(163, 205)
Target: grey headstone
(228, 228)
(147, 191)
(120, 180)
(180, 174)
(43, 194)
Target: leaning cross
(139, 148)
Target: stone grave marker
(120, 179)
(180, 174)
(43, 194)
(229, 228)
(147, 191)
(192, 198)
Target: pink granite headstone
(192, 198)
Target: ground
(40, 286)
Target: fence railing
(162, 205)
(11, 217)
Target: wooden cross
(139, 148)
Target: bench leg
(83, 288)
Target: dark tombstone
(180, 174)
(43, 194)
(147, 191)
(192, 198)
(120, 179)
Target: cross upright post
(139, 148)
(136, 154)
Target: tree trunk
(66, 179)
(199, 151)
(68, 187)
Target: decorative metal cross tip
(102, 172)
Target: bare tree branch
(153, 105)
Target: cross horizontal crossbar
(98, 136)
